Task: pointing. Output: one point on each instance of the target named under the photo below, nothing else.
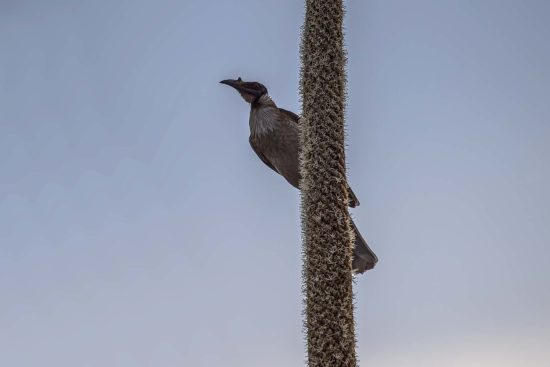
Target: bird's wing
(256, 149)
(294, 117)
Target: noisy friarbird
(274, 136)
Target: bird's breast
(263, 121)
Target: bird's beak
(232, 82)
(228, 82)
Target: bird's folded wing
(294, 117)
(261, 155)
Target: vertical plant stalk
(328, 238)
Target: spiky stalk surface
(327, 234)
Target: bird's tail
(363, 257)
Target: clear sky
(138, 228)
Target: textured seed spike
(327, 234)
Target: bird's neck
(263, 116)
(264, 101)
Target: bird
(275, 138)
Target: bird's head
(250, 91)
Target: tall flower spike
(327, 232)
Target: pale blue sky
(138, 228)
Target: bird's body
(274, 136)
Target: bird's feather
(294, 117)
(257, 150)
